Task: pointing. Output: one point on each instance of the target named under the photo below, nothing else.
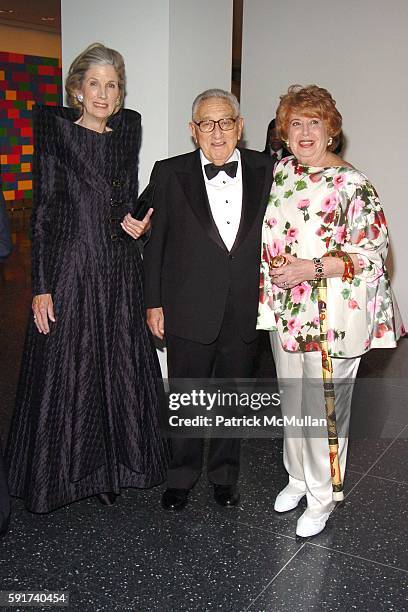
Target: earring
(287, 145)
(330, 141)
(80, 97)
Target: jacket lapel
(194, 189)
(253, 181)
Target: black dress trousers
(4, 495)
(227, 357)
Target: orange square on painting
(26, 167)
(24, 185)
(3, 159)
(11, 95)
(26, 150)
(1, 75)
(8, 195)
(30, 104)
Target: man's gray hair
(215, 93)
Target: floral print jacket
(312, 211)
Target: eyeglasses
(208, 125)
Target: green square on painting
(32, 68)
(24, 86)
(3, 131)
(50, 61)
(28, 195)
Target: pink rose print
(374, 305)
(271, 222)
(276, 247)
(338, 181)
(373, 232)
(303, 203)
(294, 325)
(330, 202)
(301, 293)
(353, 305)
(355, 208)
(330, 335)
(380, 330)
(290, 345)
(316, 321)
(312, 346)
(340, 234)
(291, 235)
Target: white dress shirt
(225, 198)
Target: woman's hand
(43, 309)
(293, 273)
(136, 228)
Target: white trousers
(306, 448)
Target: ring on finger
(35, 317)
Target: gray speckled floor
(135, 557)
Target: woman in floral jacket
(320, 204)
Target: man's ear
(193, 128)
(240, 122)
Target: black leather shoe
(175, 499)
(107, 499)
(226, 495)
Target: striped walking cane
(327, 375)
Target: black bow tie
(212, 170)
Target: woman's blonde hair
(94, 54)
(311, 101)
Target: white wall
(358, 51)
(200, 57)
(173, 49)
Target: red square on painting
(17, 58)
(21, 77)
(22, 123)
(46, 70)
(13, 113)
(8, 177)
(26, 132)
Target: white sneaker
(308, 525)
(288, 499)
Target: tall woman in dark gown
(86, 419)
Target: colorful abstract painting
(24, 81)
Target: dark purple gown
(87, 416)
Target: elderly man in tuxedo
(202, 275)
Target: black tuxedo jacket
(189, 272)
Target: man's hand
(43, 309)
(155, 321)
(136, 228)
